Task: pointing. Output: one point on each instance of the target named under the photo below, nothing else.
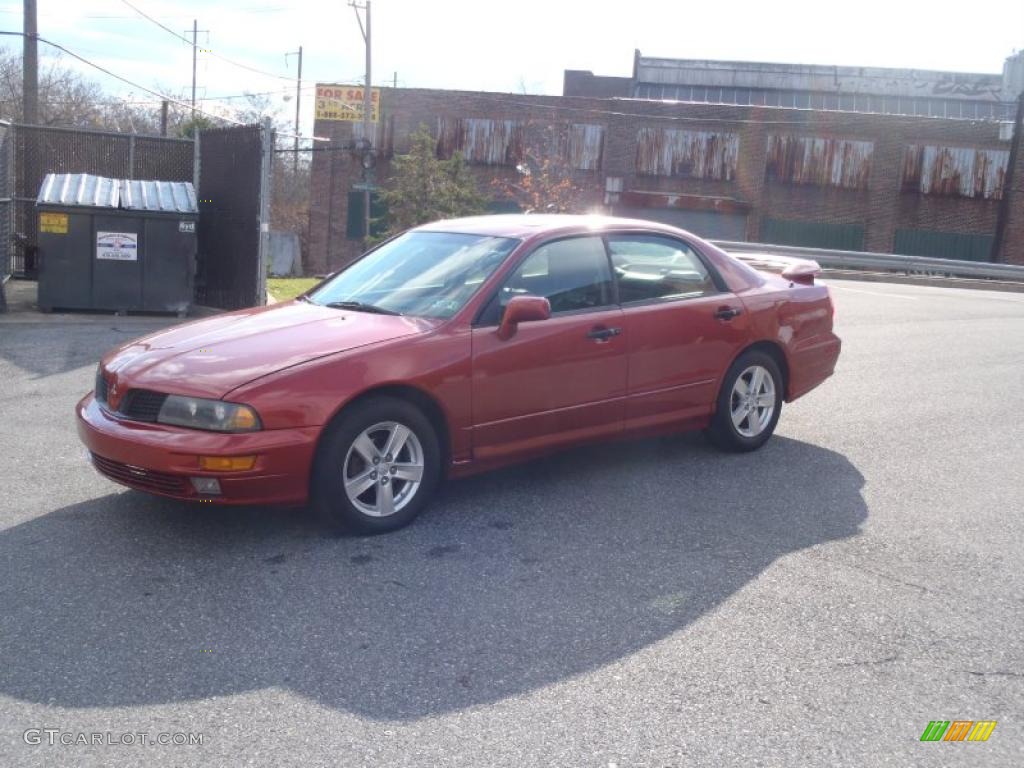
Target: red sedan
(458, 347)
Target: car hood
(211, 357)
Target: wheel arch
(425, 402)
(777, 353)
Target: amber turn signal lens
(226, 463)
(244, 418)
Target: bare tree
(68, 98)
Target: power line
(161, 96)
(239, 64)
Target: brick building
(840, 178)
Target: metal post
(131, 156)
(195, 40)
(298, 105)
(267, 160)
(367, 107)
(30, 66)
(163, 117)
(196, 162)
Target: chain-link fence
(35, 151)
(6, 199)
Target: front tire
(376, 468)
(749, 404)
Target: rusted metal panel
(698, 154)
(955, 171)
(820, 161)
(584, 146)
(481, 140)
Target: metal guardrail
(883, 262)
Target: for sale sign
(117, 246)
(345, 102)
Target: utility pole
(367, 107)
(163, 117)
(195, 50)
(30, 66)
(195, 35)
(298, 102)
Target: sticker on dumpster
(186, 226)
(57, 223)
(117, 246)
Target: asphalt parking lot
(650, 603)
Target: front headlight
(199, 413)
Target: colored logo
(958, 730)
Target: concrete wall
(880, 204)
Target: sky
(511, 46)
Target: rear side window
(650, 267)
(572, 274)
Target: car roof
(530, 225)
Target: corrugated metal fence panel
(821, 161)
(943, 245)
(955, 171)
(813, 234)
(83, 189)
(481, 140)
(697, 154)
(585, 146)
(166, 196)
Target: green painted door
(813, 234)
(943, 245)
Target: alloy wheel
(383, 469)
(752, 401)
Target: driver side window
(572, 274)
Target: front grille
(138, 477)
(142, 404)
(101, 386)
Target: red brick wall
(882, 207)
(1012, 250)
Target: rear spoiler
(790, 268)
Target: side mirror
(522, 309)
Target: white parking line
(872, 293)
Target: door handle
(600, 333)
(727, 313)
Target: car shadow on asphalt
(511, 582)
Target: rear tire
(376, 467)
(749, 404)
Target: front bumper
(160, 459)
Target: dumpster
(116, 244)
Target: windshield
(431, 274)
